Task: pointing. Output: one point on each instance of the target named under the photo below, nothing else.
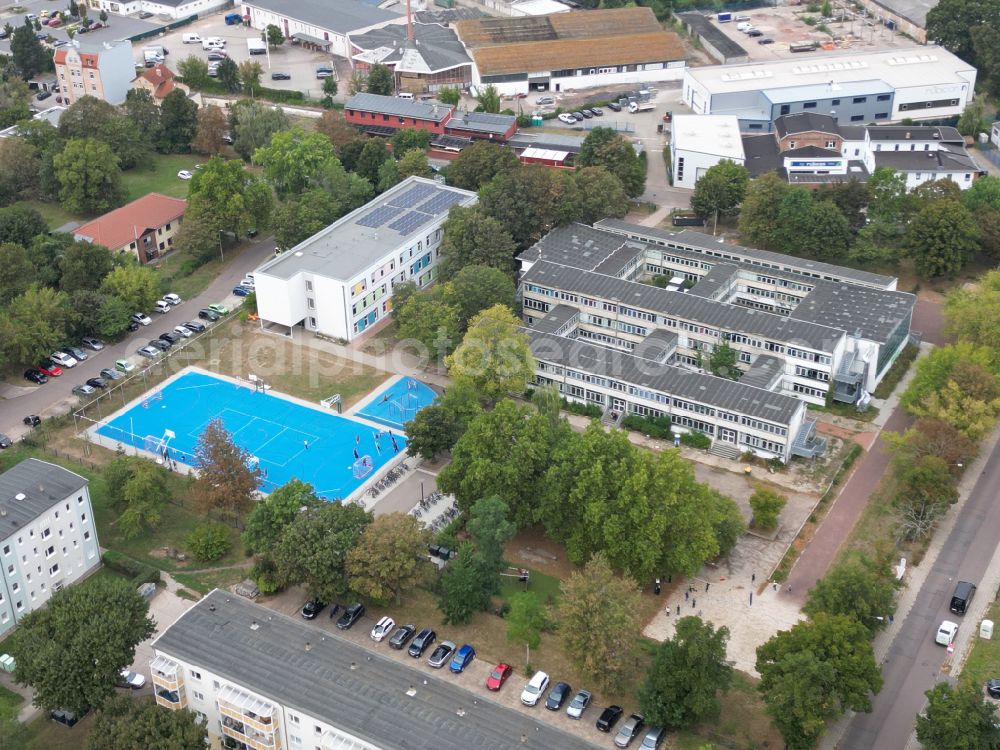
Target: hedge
(139, 572)
(654, 427)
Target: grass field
(10, 702)
(983, 662)
(54, 214)
(160, 176)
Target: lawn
(159, 176)
(174, 278)
(54, 214)
(44, 734)
(983, 662)
(10, 702)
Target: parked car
(765, 40)
(124, 365)
(351, 615)
(63, 359)
(76, 353)
(5, 442)
(185, 175)
(148, 352)
(567, 118)
(175, 299)
(654, 738)
(608, 718)
(946, 633)
(578, 116)
(32, 420)
(993, 688)
(598, 112)
(614, 106)
(277, 76)
(753, 33)
(421, 643)
(558, 696)
(217, 54)
(219, 309)
(99, 25)
(463, 658)
(50, 368)
(132, 680)
(109, 373)
(241, 291)
(534, 689)
(161, 306)
(311, 609)
(629, 730)
(382, 628)
(586, 113)
(145, 14)
(402, 636)
(94, 344)
(545, 100)
(183, 331)
(159, 344)
(579, 704)
(194, 326)
(324, 71)
(501, 672)
(99, 383)
(63, 716)
(43, 95)
(441, 654)
(84, 390)
(209, 315)
(142, 318)
(36, 376)
(170, 337)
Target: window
(881, 115)
(46, 533)
(199, 696)
(54, 569)
(294, 719)
(785, 109)
(83, 517)
(860, 99)
(311, 303)
(79, 500)
(791, 144)
(309, 286)
(835, 103)
(831, 144)
(15, 587)
(20, 606)
(809, 105)
(86, 536)
(50, 551)
(195, 674)
(857, 118)
(6, 549)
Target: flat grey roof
(571, 143)
(912, 10)
(875, 313)
(704, 388)
(42, 484)
(943, 159)
(556, 318)
(583, 247)
(943, 133)
(437, 47)
(700, 241)
(764, 371)
(718, 279)
(340, 17)
(352, 243)
(719, 315)
(481, 122)
(702, 26)
(394, 105)
(355, 689)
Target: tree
(21, 224)
(494, 355)
(103, 16)
(488, 99)
(850, 197)
(208, 542)
(985, 43)
(388, 175)
(603, 147)
(489, 528)
(28, 54)
(358, 82)
(234, 198)
(473, 238)
(983, 193)
(405, 140)
(464, 587)
(599, 622)
(89, 177)
(315, 547)
(923, 494)
(87, 117)
(889, 199)
(930, 436)
(722, 362)
(430, 319)
(330, 88)
(373, 155)
(380, 80)
(294, 159)
(720, 190)
(829, 235)
(143, 496)
(766, 506)
(35, 323)
(144, 114)
(228, 74)
(16, 272)
(957, 718)
(250, 73)
(19, 168)
(860, 588)
(123, 723)
(414, 162)
(210, 128)
(941, 237)
(525, 621)
(950, 24)
(84, 266)
(194, 72)
(759, 211)
(449, 95)
(971, 314)
(135, 285)
(390, 556)
(932, 190)
(274, 36)
(601, 195)
(72, 650)
(479, 163)
(476, 288)
(793, 220)
(433, 431)
(814, 673)
(14, 99)
(687, 673)
(179, 117)
(530, 201)
(269, 517)
(226, 482)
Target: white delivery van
(213, 43)
(256, 46)
(191, 39)
(744, 26)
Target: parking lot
(119, 27)
(784, 25)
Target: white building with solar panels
(339, 282)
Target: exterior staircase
(725, 450)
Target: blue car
(241, 291)
(463, 658)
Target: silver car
(579, 704)
(441, 654)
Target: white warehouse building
(855, 88)
(339, 282)
(699, 142)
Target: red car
(49, 367)
(498, 676)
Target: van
(960, 600)
(744, 26)
(191, 39)
(233, 18)
(405, 95)
(213, 43)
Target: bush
(696, 440)
(209, 542)
(138, 572)
(584, 410)
(655, 427)
(265, 575)
(766, 506)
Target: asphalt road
(56, 396)
(914, 661)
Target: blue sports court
(398, 404)
(334, 453)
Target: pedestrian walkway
(28, 711)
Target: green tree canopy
(178, 121)
(473, 238)
(274, 36)
(294, 159)
(687, 673)
(29, 56)
(494, 355)
(530, 201)
(380, 80)
(35, 323)
(225, 482)
(232, 196)
(21, 224)
(430, 319)
(489, 528)
(228, 74)
(84, 266)
(479, 163)
(941, 237)
(601, 195)
(252, 125)
(957, 718)
(414, 162)
(127, 724)
(465, 586)
(436, 429)
(72, 650)
(488, 99)
(477, 288)
(389, 557)
(89, 177)
(525, 620)
(144, 113)
(16, 272)
(410, 138)
(860, 587)
(270, 516)
(135, 285)
(721, 189)
(951, 23)
(759, 212)
(603, 147)
(766, 505)
(194, 72)
(973, 315)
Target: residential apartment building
(260, 679)
(340, 281)
(104, 70)
(48, 537)
(802, 331)
(145, 228)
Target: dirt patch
(531, 549)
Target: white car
(132, 680)
(63, 359)
(534, 689)
(172, 298)
(184, 174)
(142, 319)
(182, 331)
(567, 118)
(382, 628)
(946, 633)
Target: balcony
(166, 674)
(256, 715)
(175, 700)
(248, 737)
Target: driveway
(165, 608)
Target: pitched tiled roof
(119, 227)
(584, 24)
(161, 78)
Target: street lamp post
(222, 257)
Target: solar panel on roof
(408, 222)
(440, 202)
(379, 216)
(414, 195)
